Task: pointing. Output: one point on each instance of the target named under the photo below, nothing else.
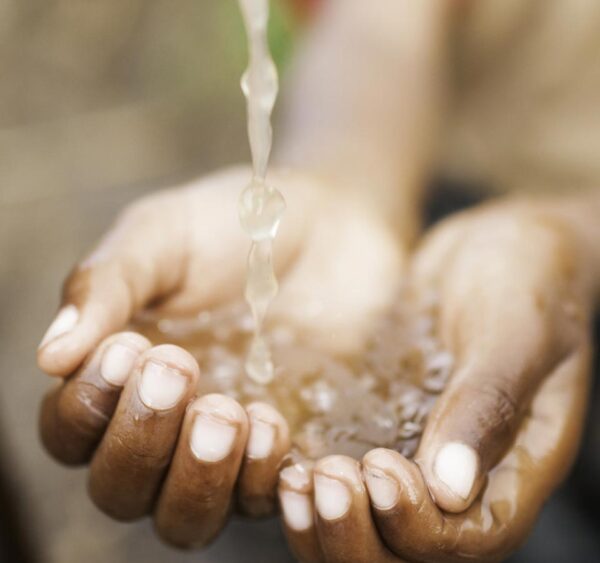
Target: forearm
(365, 99)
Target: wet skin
(499, 440)
(517, 397)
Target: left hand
(133, 411)
(514, 310)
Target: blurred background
(101, 102)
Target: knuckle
(137, 454)
(497, 407)
(83, 408)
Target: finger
(344, 525)
(501, 517)
(136, 449)
(268, 444)
(542, 454)
(296, 498)
(134, 263)
(409, 521)
(75, 414)
(506, 340)
(196, 496)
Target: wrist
(366, 176)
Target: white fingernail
(161, 387)
(117, 363)
(456, 466)
(261, 439)
(382, 489)
(212, 439)
(297, 476)
(332, 497)
(297, 510)
(65, 321)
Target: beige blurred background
(99, 103)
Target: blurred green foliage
(282, 30)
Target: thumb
(505, 356)
(138, 260)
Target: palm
(132, 410)
(338, 264)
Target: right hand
(515, 282)
(130, 409)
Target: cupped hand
(514, 309)
(131, 410)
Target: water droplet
(260, 210)
(258, 362)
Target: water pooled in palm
(261, 205)
(380, 395)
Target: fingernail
(298, 476)
(261, 439)
(456, 466)
(161, 387)
(332, 497)
(297, 510)
(65, 321)
(212, 438)
(382, 489)
(117, 362)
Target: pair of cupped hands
(513, 311)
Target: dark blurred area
(101, 102)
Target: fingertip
(296, 499)
(64, 322)
(74, 415)
(268, 431)
(380, 470)
(178, 358)
(73, 334)
(61, 357)
(452, 475)
(345, 525)
(295, 495)
(50, 353)
(167, 375)
(336, 478)
(382, 456)
(297, 477)
(220, 405)
(297, 510)
(219, 428)
(120, 353)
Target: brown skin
(136, 449)
(196, 496)
(142, 461)
(354, 537)
(517, 396)
(182, 251)
(260, 475)
(75, 414)
(304, 543)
